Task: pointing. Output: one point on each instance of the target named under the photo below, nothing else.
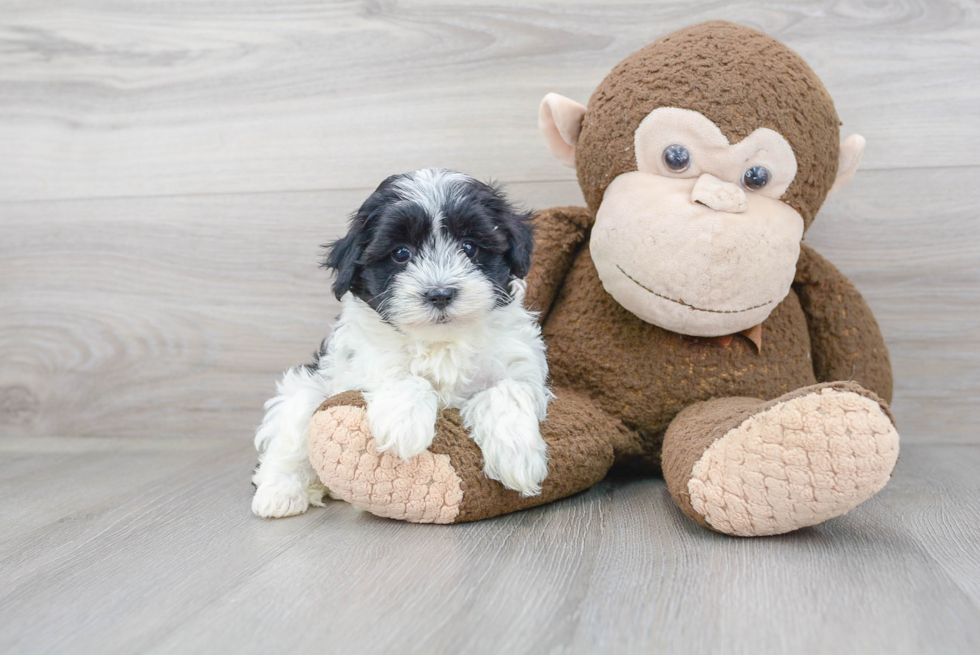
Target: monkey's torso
(644, 375)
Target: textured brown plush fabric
(644, 375)
(582, 444)
(347, 398)
(563, 229)
(738, 77)
(847, 343)
(581, 450)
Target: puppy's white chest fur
(456, 371)
(364, 352)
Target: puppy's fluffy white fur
(479, 355)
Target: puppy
(430, 277)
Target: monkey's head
(703, 157)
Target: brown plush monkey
(688, 328)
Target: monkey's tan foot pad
(424, 489)
(796, 463)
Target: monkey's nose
(719, 195)
(439, 298)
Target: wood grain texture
(178, 564)
(120, 99)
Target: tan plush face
(687, 241)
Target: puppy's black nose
(440, 297)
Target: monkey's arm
(844, 335)
(558, 234)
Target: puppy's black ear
(515, 224)
(342, 256)
(520, 242)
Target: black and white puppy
(430, 277)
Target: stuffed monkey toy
(689, 330)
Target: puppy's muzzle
(440, 298)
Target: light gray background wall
(168, 170)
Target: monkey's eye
(677, 158)
(401, 254)
(469, 248)
(756, 177)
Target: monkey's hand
(559, 232)
(844, 336)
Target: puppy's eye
(469, 248)
(677, 158)
(401, 254)
(756, 178)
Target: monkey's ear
(851, 150)
(560, 122)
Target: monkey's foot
(798, 461)
(447, 483)
(423, 489)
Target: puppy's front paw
(406, 433)
(402, 416)
(517, 459)
(279, 498)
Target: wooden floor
(132, 545)
(167, 172)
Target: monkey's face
(704, 156)
(697, 240)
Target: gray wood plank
(46, 479)
(116, 99)
(181, 566)
(122, 566)
(821, 590)
(911, 247)
(936, 494)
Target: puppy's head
(432, 251)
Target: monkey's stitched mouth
(684, 304)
